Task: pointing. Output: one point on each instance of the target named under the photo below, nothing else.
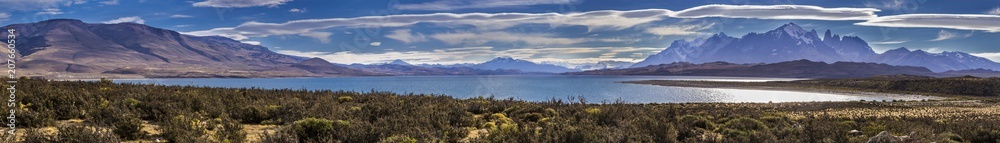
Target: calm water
(531, 88)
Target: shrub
(73, 134)
(231, 132)
(746, 124)
(183, 129)
(593, 111)
(696, 121)
(343, 99)
(398, 139)
(129, 128)
(317, 130)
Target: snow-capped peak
(793, 29)
(399, 62)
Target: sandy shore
(785, 87)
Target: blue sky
(565, 32)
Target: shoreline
(784, 87)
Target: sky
(562, 32)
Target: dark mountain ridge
(67, 48)
(791, 42)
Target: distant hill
(67, 48)
(974, 72)
(522, 65)
(789, 69)
(791, 42)
(400, 69)
(320, 66)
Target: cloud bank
(593, 20)
(988, 23)
(445, 5)
(575, 55)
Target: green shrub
(697, 121)
(129, 128)
(746, 124)
(314, 129)
(343, 99)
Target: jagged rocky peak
(792, 28)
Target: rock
(854, 133)
(884, 137)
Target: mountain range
(67, 48)
(787, 69)
(790, 42)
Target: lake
(530, 87)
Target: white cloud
(992, 56)
(405, 36)
(576, 55)
(678, 29)
(594, 20)
(994, 11)
(132, 19)
(886, 4)
(323, 37)
(446, 5)
(475, 38)
(110, 2)
(945, 35)
(183, 25)
(4, 16)
(777, 12)
(49, 11)
(74, 2)
(239, 3)
(296, 10)
(251, 42)
(950, 21)
(180, 16)
(376, 44)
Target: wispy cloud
(49, 11)
(992, 56)
(109, 2)
(593, 20)
(4, 16)
(405, 36)
(679, 29)
(239, 3)
(296, 10)
(180, 16)
(945, 35)
(74, 2)
(481, 54)
(994, 11)
(950, 21)
(476, 38)
(445, 5)
(777, 12)
(132, 19)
